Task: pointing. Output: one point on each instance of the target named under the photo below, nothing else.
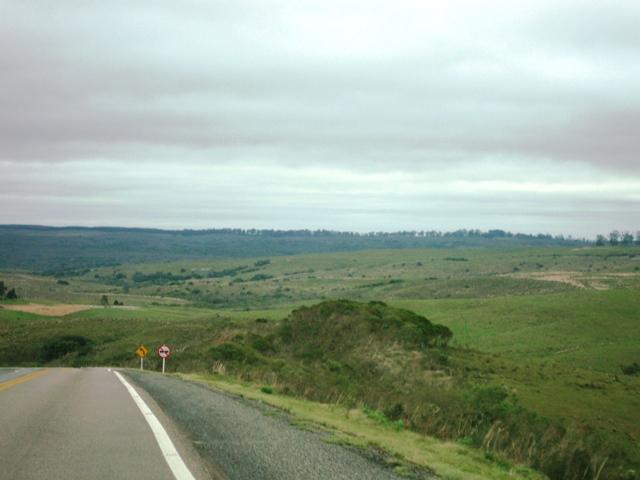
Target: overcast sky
(349, 115)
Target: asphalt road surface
(81, 424)
(85, 424)
(250, 441)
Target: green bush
(60, 346)
(262, 344)
(286, 332)
(232, 352)
(260, 276)
(267, 390)
(381, 419)
(394, 412)
(333, 366)
(631, 369)
(488, 402)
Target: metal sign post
(164, 352)
(141, 352)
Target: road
(81, 424)
(85, 424)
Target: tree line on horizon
(271, 232)
(617, 238)
(460, 233)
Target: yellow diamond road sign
(142, 351)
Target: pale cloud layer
(347, 115)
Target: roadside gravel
(11, 373)
(248, 441)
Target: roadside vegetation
(408, 453)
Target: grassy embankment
(399, 447)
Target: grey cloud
(590, 25)
(536, 92)
(68, 94)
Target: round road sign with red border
(164, 351)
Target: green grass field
(590, 329)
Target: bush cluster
(6, 293)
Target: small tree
(12, 295)
(104, 301)
(627, 239)
(3, 289)
(600, 241)
(614, 238)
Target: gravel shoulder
(11, 373)
(246, 440)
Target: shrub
(631, 369)
(286, 332)
(395, 412)
(262, 344)
(378, 303)
(60, 346)
(267, 390)
(232, 352)
(381, 419)
(488, 402)
(333, 366)
(410, 333)
(260, 276)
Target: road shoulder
(199, 466)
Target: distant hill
(53, 249)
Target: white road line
(171, 455)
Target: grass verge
(404, 450)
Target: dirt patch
(576, 279)
(571, 278)
(49, 310)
